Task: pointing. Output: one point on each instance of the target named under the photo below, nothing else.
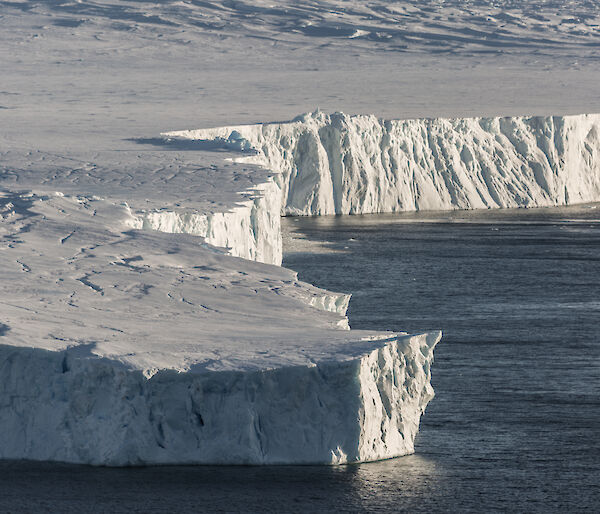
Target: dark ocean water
(515, 425)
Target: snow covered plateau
(144, 314)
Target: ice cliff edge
(341, 164)
(124, 347)
(126, 339)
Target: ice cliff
(340, 164)
(121, 346)
(58, 405)
(132, 332)
(250, 229)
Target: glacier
(341, 164)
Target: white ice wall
(250, 230)
(68, 407)
(340, 164)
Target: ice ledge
(251, 229)
(57, 406)
(340, 164)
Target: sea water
(515, 424)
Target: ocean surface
(515, 425)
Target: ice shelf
(341, 164)
(142, 324)
(124, 346)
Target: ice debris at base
(122, 346)
(340, 164)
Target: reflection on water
(514, 425)
(397, 483)
(374, 486)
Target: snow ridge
(340, 164)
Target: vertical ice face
(339, 164)
(395, 389)
(250, 230)
(91, 410)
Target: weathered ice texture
(340, 164)
(69, 407)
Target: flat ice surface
(81, 79)
(75, 275)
